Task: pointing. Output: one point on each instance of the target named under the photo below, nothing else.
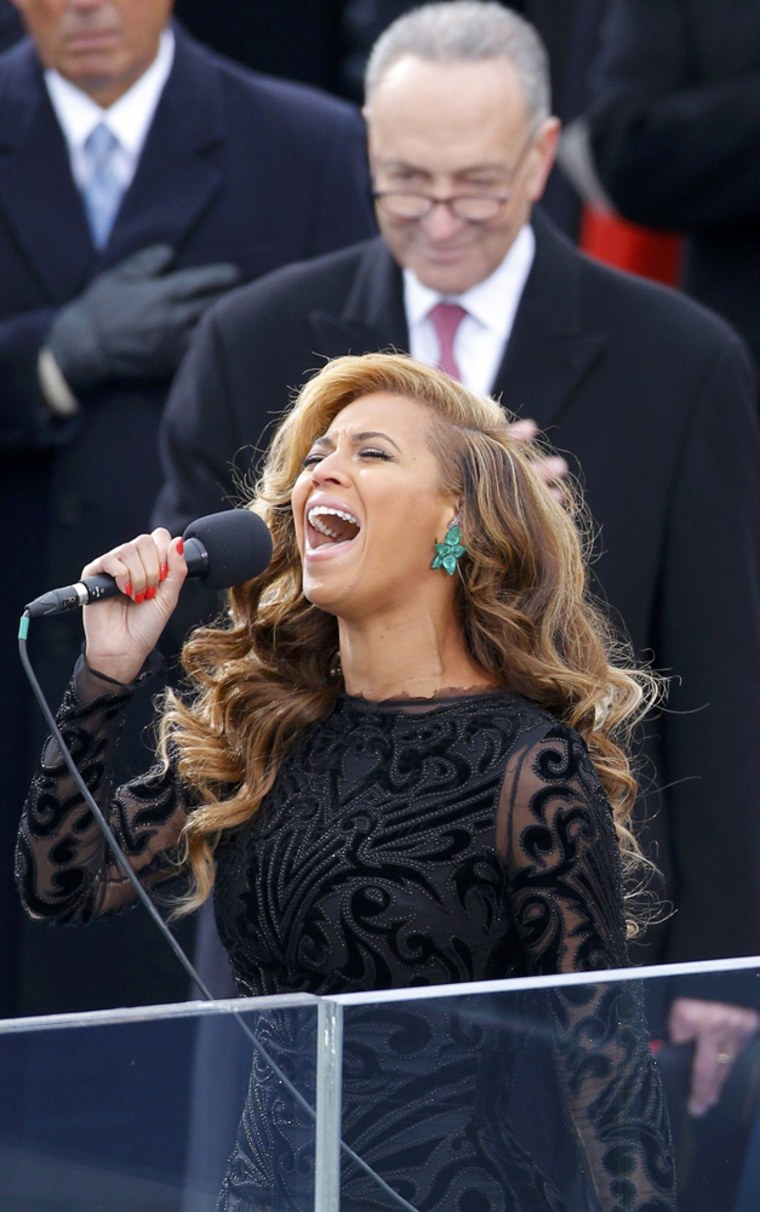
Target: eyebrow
(326, 440)
(490, 166)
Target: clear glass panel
(456, 1098)
(138, 1111)
(535, 1096)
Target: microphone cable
(148, 904)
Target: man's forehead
(476, 110)
(411, 74)
(443, 148)
(431, 163)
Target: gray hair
(467, 31)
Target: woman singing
(401, 762)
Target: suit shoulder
(654, 305)
(270, 97)
(293, 290)
(20, 78)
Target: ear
(451, 514)
(543, 155)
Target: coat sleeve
(26, 421)
(708, 638)
(674, 138)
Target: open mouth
(328, 527)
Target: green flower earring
(448, 553)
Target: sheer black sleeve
(558, 841)
(65, 870)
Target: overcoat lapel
(548, 353)
(372, 316)
(38, 196)
(180, 170)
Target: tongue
(342, 532)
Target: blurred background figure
(11, 28)
(141, 177)
(570, 34)
(291, 39)
(327, 43)
(674, 124)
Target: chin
(448, 279)
(321, 598)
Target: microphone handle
(102, 585)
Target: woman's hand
(121, 632)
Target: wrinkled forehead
(464, 110)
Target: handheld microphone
(221, 549)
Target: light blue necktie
(103, 193)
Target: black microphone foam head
(238, 544)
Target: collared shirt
(491, 305)
(128, 119)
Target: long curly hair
(269, 667)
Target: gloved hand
(133, 320)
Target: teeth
(316, 514)
(320, 526)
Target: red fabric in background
(651, 254)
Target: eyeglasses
(471, 208)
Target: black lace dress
(407, 843)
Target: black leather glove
(133, 320)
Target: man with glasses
(649, 397)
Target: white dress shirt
(491, 305)
(128, 119)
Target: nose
(330, 469)
(441, 224)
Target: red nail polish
(180, 546)
(163, 572)
(128, 589)
(150, 593)
(139, 597)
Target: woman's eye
(312, 459)
(373, 452)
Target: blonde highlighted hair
(269, 669)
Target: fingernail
(128, 589)
(150, 592)
(139, 597)
(163, 572)
(180, 547)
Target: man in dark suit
(219, 176)
(650, 397)
(674, 123)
